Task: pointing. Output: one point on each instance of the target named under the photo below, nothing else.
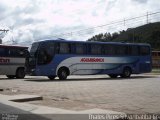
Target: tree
(115, 35)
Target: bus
(62, 58)
(12, 61)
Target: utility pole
(133, 36)
(3, 30)
(147, 18)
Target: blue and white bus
(63, 58)
(13, 60)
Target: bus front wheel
(126, 73)
(20, 73)
(62, 73)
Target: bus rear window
(144, 50)
(16, 52)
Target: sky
(32, 20)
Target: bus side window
(57, 48)
(2, 52)
(121, 50)
(105, 49)
(144, 50)
(41, 57)
(96, 49)
(134, 50)
(64, 48)
(50, 49)
(109, 49)
(13, 52)
(80, 48)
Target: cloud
(141, 1)
(30, 20)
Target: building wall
(156, 59)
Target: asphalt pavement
(11, 113)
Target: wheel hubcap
(64, 74)
(127, 73)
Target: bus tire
(62, 73)
(113, 75)
(20, 73)
(52, 77)
(126, 72)
(10, 76)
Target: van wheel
(52, 77)
(10, 76)
(20, 73)
(62, 74)
(113, 75)
(126, 73)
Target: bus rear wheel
(52, 77)
(126, 73)
(62, 74)
(10, 76)
(20, 73)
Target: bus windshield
(34, 49)
(45, 53)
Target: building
(156, 59)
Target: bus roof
(13, 46)
(72, 41)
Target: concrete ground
(139, 94)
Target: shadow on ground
(87, 79)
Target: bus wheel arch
(113, 75)
(127, 71)
(52, 77)
(11, 76)
(63, 72)
(20, 73)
